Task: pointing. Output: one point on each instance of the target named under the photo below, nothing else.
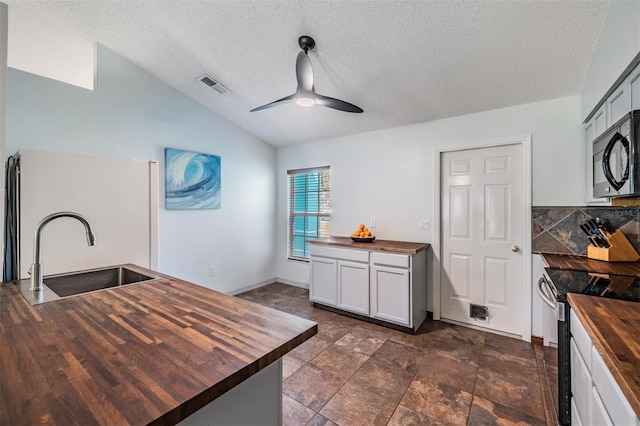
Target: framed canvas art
(192, 180)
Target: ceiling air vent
(213, 84)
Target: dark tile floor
(356, 373)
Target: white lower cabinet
(580, 384)
(390, 287)
(390, 295)
(599, 415)
(611, 398)
(575, 417)
(596, 397)
(353, 285)
(324, 275)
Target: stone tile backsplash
(557, 229)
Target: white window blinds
(309, 209)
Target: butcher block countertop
(377, 245)
(614, 328)
(583, 263)
(147, 353)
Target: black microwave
(616, 160)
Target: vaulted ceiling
(403, 62)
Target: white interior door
(483, 214)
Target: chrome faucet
(36, 267)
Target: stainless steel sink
(74, 283)
(84, 282)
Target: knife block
(621, 249)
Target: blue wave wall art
(192, 180)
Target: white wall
(131, 114)
(619, 44)
(389, 174)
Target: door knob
(515, 248)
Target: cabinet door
(580, 384)
(599, 415)
(600, 121)
(575, 417)
(390, 296)
(353, 287)
(611, 397)
(324, 281)
(618, 104)
(634, 88)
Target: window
(309, 209)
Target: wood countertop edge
(205, 397)
(389, 246)
(632, 393)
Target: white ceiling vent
(213, 84)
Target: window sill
(298, 259)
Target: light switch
(424, 224)
(372, 222)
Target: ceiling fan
(306, 94)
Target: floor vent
(478, 312)
(213, 84)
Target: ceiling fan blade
(304, 72)
(336, 104)
(284, 100)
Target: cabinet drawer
(614, 401)
(583, 342)
(399, 260)
(339, 253)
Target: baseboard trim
(252, 287)
(293, 283)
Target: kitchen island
(149, 353)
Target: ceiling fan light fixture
(306, 95)
(305, 101)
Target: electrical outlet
(212, 271)
(372, 222)
(424, 224)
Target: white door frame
(525, 141)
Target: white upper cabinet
(600, 122)
(618, 104)
(625, 98)
(634, 89)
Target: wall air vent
(214, 84)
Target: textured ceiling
(403, 62)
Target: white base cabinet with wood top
(388, 287)
(596, 398)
